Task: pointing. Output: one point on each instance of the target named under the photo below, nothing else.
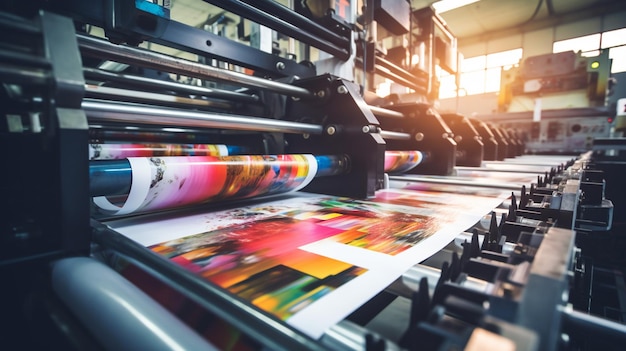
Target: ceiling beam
(595, 10)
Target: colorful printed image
(311, 259)
(402, 161)
(120, 151)
(166, 182)
(407, 198)
(371, 226)
(260, 262)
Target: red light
(610, 120)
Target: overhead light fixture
(447, 5)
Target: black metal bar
(249, 320)
(298, 20)
(281, 26)
(12, 75)
(16, 23)
(399, 70)
(385, 72)
(594, 330)
(204, 43)
(23, 59)
(117, 94)
(379, 111)
(126, 54)
(160, 84)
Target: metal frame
(123, 22)
(288, 23)
(49, 215)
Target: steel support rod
(387, 73)
(161, 84)
(382, 62)
(593, 328)
(383, 112)
(279, 25)
(395, 135)
(136, 56)
(100, 92)
(114, 112)
(297, 19)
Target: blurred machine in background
(108, 109)
(558, 101)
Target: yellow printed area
(318, 266)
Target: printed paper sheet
(311, 260)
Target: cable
(550, 6)
(539, 4)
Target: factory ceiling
(478, 21)
(488, 19)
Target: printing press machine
(518, 279)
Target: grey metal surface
(117, 313)
(547, 287)
(395, 135)
(136, 56)
(115, 112)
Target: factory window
(613, 38)
(590, 45)
(480, 74)
(618, 55)
(586, 43)
(447, 86)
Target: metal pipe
(105, 50)
(23, 76)
(298, 20)
(161, 84)
(103, 92)
(395, 135)
(577, 323)
(115, 312)
(446, 181)
(382, 62)
(387, 73)
(143, 114)
(258, 16)
(383, 112)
